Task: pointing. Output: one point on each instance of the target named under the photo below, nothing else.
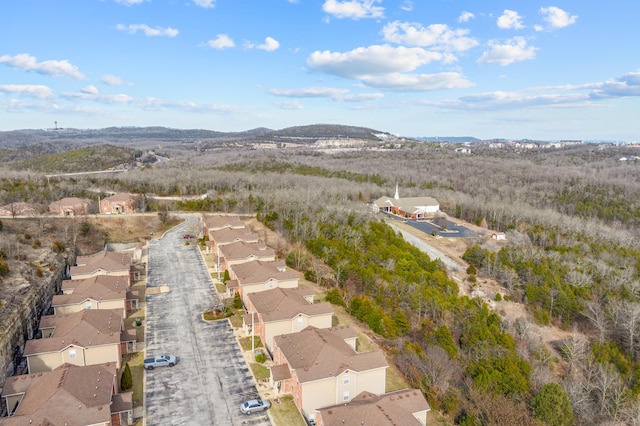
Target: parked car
(253, 405)
(160, 361)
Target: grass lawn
(285, 413)
(236, 319)
(394, 380)
(245, 343)
(136, 361)
(260, 371)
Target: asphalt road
(211, 378)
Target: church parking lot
(211, 379)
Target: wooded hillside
(572, 256)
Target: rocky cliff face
(25, 298)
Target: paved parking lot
(211, 379)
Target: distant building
(70, 206)
(411, 208)
(19, 209)
(119, 203)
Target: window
(345, 379)
(72, 354)
(270, 284)
(88, 305)
(345, 396)
(300, 320)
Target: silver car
(253, 405)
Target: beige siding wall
(346, 386)
(78, 276)
(373, 381)
(102, 354)
(421, 416)
(318, 394)
(273, 329)
(12, 401)
(67, 309)
(321, 321)
(52, 360)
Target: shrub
(126, 381)
(58, 247)
(36, 244)
(260, 357)
(334, 297)
(27, 236)
(226, 277)
(310, 275)
(38, 271)
(237, 301)
(552, 406)
(498, 297)
(4, 268)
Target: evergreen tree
(126, 381)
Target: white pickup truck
(160, 361)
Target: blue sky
(514, 69)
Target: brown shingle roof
(86, 328)
(283, 304)
(214, 223)
(241, 250)
(256, 272)
(227, 236)
(110, 261)
(122, 197)
(321, 353)
(100, 287)
(70, 395)
(280, 372)
(394, 408)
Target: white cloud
(556, 17)
(207, 4)
(466, 16)
(353, 9)
(309, 92)
(112, 80)
(372, 60)
(270, 44)
(289, 105)
(514, 50)
(222, 41)
(33, 90)
(335, 94)
(407, 6)
(90, 89)
(26, 62)
(621, 87)
(439, 36)
(129, 2)
(417, 82)
(510, 19)
(147, 30)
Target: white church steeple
(397, 196)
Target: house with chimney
(321, 368)
(256, 276)
(70, 206)
(67, 395)
(280, 311)
(87, 337)
(407, 407)
(97, 292)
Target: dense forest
(572, 219)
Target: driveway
(211, 378)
